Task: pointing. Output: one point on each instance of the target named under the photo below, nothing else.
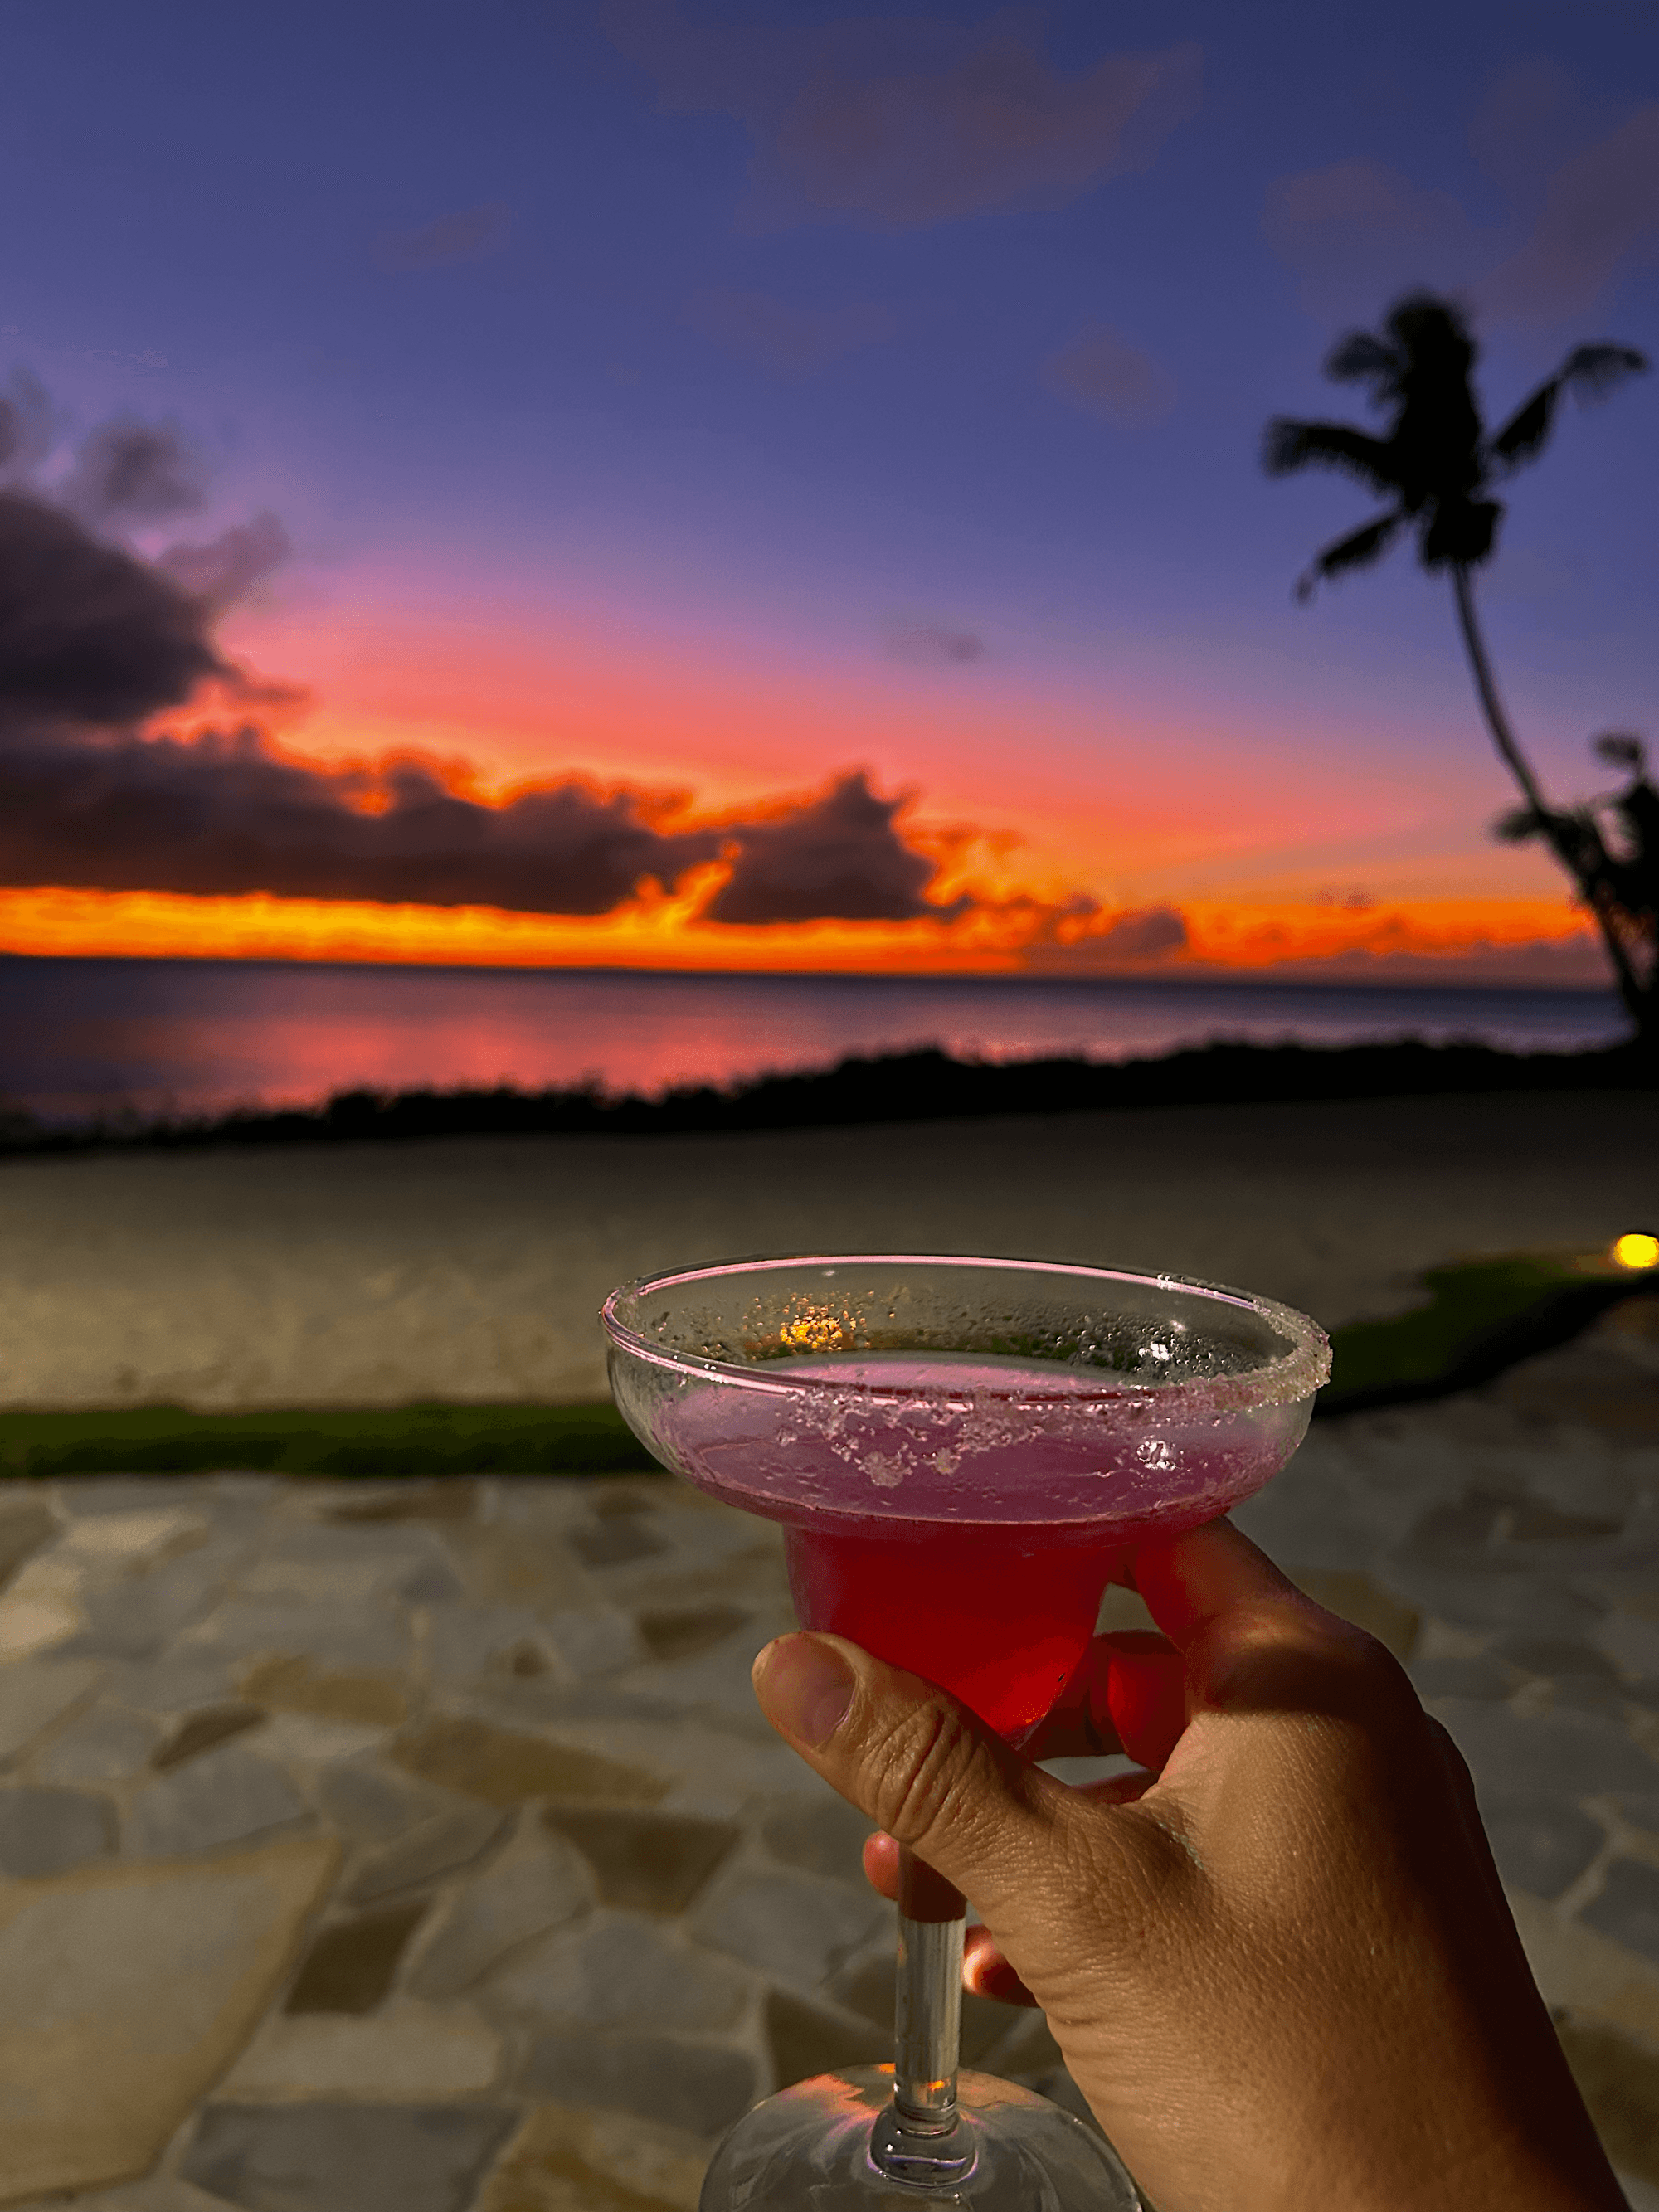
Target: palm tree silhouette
(1439, 470)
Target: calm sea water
(82, 1037)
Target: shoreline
(861, 1090)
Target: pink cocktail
(960, 1452)
(960, 1514)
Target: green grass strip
(1463, 1303)
(1479, 1317)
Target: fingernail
(805, 1687)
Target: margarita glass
(960, 1452)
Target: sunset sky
(734, 483)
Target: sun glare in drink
(1636, 1250)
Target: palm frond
(1620, 749)
(1523, 437)
(1593, 371)
(1363, 358)
(1519, 825)
(1356, 550)
(1288, 445)
(1572, 835)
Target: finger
(1147, 1696)
(917, 1762)
(1460, 1785)
(881, 1852)
(1080, 1724)
(881, 1865)
(1118, 1789)
(1126, 1679)
(987, 1973)
(1254, 1643)
(1190, 1581)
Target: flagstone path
(388, 1848)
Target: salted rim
(1294, 1374)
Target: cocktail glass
(961, 1451)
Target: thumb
(916, 1761)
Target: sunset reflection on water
(82, 1037)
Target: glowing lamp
(1636, 1250)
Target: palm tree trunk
(1638, 1004)
(1497, 721)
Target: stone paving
(420, 1847)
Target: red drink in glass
(999, 1617)
(937, 1519)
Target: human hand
(1278, 1962)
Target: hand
(1278, 1962)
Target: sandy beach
(472, 1269)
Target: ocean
(80, 1039)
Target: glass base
(809, 2146)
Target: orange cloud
(1472, 941)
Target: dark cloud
(1093, 943)
(221, 571)
(133, 471)
(786, 340)
(1105, 375)
(935, 643)
(838, 856)
(26, 427)
(900, 122)
(470, 234)
(94, 638)
(226, 814)
(89, 633)
(1153, 933)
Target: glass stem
(922, 2137)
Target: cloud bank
(1600, 210)
(1585, 197)
(88, 633)
(901, 122)
(838, 856)
(96, 642)
(224, 813)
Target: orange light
(1636, 1250)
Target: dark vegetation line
(924, 1085)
